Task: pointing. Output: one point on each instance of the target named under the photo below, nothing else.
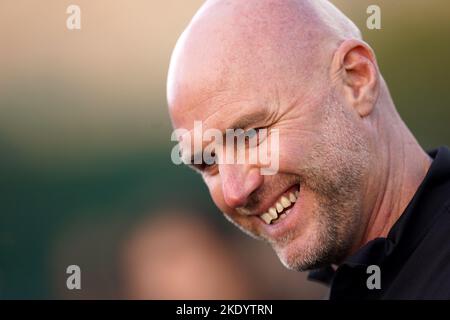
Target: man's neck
(404, 165)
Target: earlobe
(355, 69)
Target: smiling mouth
(281, 208)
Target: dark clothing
(414, 258)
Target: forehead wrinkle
(219, 113)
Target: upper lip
(267, 204)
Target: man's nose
(238, 182)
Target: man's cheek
(292, 153)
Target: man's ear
(355, 70)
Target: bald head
(254, 41)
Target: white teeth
(279, 207)
(266, 217)
(292, 197)
(285, 202)
(273, 213)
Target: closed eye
(204, 166)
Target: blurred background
(85, 170)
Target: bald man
(355, 198)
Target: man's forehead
(237, 116)
(220, 111)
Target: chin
(305, 252)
